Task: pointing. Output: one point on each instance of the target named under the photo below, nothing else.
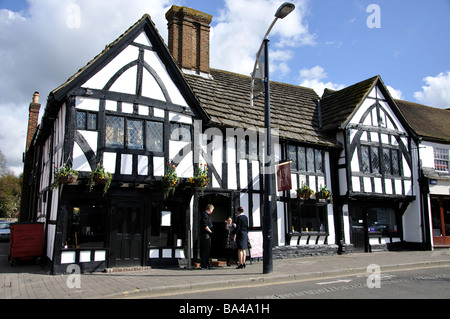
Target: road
(423, 283)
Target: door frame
(113, 242)
(444, 239)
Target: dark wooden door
(127, 234)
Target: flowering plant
(323, 192)
(170, 181)
(64, 175)
(100, 176)
(200, 178)
(304, 191)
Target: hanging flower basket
(100, 176)
(200, 179)
(304, 192)
(170, 181)
(64, 175)
(323, 193)
(68, 179)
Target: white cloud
(245, 22)
(395, 94)
(436, 92)
(46, 44)
(313, 78)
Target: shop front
(131, 227)
(374, 226)
(440, 215)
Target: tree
(10, 190)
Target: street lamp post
(259, 76)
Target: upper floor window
(86, 120)
(305, 159)
(135, 134)
(248, 148)
(180, 132)
(371, 162)
(369, 159)
(441, 159)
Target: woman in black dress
(241, 236)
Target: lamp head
(284, 10)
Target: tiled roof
(428, 122)
(225, 97)
(337, 107)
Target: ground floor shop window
(308, 217)
(85, 225)
(166, 225)
(373, 221)
(440, 214)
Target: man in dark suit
(206, 229)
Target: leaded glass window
(135, 134)
(301, 159)
(154, 142)
(387, 161)
(180, 132)
(365, 160)
(375, 160)
(115, 131)
(86, 121)
(310, 159)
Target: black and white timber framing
(133, 110)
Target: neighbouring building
(432, 127)
(140, 105)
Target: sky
(322, 43)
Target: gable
(375, 111)
(137, 63)
(136, 68)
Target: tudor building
(141, 104)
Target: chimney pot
(36, 97)
(33, 118)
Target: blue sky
(323, 43)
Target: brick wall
(189, 38)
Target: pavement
(29, 281)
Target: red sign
(284, 177)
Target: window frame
(299, 220)
(88, 115)
(303, 164)
(441, 159)
(126, 145)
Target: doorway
(127, 227)
(223, 209)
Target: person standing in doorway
(206, 230)
(241, 236)
(228, 241)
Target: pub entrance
(222, 210)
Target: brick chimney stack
(189, 38)
(33, 117)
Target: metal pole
(267, 226)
